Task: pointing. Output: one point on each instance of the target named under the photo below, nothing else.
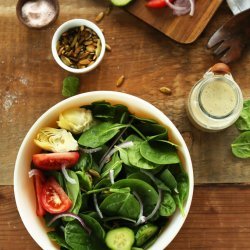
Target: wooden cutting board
(183, 29)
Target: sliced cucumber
(120, 238)
(120, 3)
(144, 233)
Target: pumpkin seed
(165, 90)
(120, 80)
(99, 17)
(108, 47)
(80, 47)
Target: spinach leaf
(99, 134)
(77, 238)
(74, 194)
(85, 180)
(121, 204)
(243, 122)
(58, 176)
(70, 86)
(94, 225)
(146, 192)
(124, 156)
(115, 163)
(58, 238)
(159, 153)
(169, 179)
(140, 176)
(168, 205)
(241, 145)
(84, 162)
(134, 154)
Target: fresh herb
(241, 145)
(70, 86)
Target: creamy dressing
(218, 98)
(214, 103)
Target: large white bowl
(23, 186)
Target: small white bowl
(71, 24)
(23, 185)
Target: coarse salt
(38, 13)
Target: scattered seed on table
(99, 17)
(165, 90)
(108, 48)
(120, 81)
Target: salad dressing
(215, 102)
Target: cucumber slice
(120, 3)
(120, 238)
(144, 233)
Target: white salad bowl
(23, 185)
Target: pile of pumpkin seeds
(79, 47)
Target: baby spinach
(146, 192)
(70, 86)
(241, 145)
(73, 191)
(169, 179)
(134, 154)
(168, 205)
(59, 239)
(85, 180)
(112, 164)
(84, 162)
(99, 134)
(121, 204)
(78, 239)
(243, 122)
(159, 153)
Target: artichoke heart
(75, 120)
(56, 140)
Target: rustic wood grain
(31, 81)
(183, 29)
(218, 219)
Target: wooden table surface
(31, 82)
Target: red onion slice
(97, 207)
(157, 206)
(175, 6)
(67, 177)
(111, 176)
(182, 7)
(127, 144)
(72, 216)
(141, 218)
(36, 172)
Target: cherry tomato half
(39, 181)
(157, 3)
(55, 161)
(53, 198)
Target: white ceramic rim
(170, 231)
(71, 24)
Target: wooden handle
(220, 68)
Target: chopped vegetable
(120, 3)
(120, 239)
(144, 234)
(70, 86)
(55, 161)
(75, 120)
(55, 140)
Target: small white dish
(71, 24)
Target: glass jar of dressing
(215, 102)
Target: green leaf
(74, 194)
(241, 145)
(168, 179)
(99, 134)
(121, 204)
(70, 86)
(243, 122)
(134, 156)
(115, 163)
(168, 205)
(58, 238)
(77, 238)
(84, 163)
(85, 180)
(146, 192)
(159, 153)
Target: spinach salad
(107, 179)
